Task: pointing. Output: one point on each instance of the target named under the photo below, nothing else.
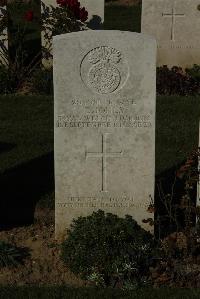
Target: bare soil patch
(44, 267)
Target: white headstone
(3, 42)
(95, 20)
(105, 93)
(176, 26)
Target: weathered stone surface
(104, 124)
(175, 25)
(95, 20)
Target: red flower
(74, 5)
(83, 14)
(29, 16)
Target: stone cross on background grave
(173, 17)
(95, 20)
(175, 25)
(104, 124)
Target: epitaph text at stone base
(104, 84)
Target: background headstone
(175, 25)
(95, 20)
(3, 41)
(104, 124)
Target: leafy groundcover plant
(108, 250)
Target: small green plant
(10, 255)
(108, 250)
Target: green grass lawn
(27, 129)
(177, 129)
(90, 293)
(127, 18)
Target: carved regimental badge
(104, 70)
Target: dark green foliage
(175, 81)
(108, 250)
(11, 255)
(194, 72)
(42, 81)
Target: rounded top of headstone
(100, 34)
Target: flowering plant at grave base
(18, 64)
(67, 17)
(74, 5)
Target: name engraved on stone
(173, 16)
(103, 155)
(104, 70)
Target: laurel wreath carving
(106, 54)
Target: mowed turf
(26, 129)
(127, 18)
(177, 130)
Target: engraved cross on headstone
(104, 154)
(173, 16)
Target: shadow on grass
(22, 187)
(34, 292)
(5, 147)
